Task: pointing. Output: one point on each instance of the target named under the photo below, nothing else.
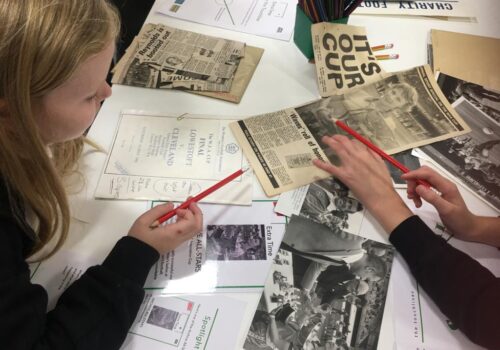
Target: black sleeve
(466, 292)
(95, 312)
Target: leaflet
(186, 322)
(234, 239)
(157, 157)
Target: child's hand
(164, 238)
(449, 204)
(366, 174)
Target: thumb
(429, 195)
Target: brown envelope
(468, 57)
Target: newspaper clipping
(344, 59)
(403, 111)
(325, 290)
(167, 58)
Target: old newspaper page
(405, 110)
(344, 59)
(164, 57)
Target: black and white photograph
(162, 317)
(397, 113)
(329, 295)
(409, 161)
(330, 203)
(487, 100)
(236, 242)
(475, 157)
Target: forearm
(465, 291)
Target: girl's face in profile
(68, 110)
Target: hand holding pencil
(166, 238)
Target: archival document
(402, 111)
(157, 157)
(186, 322)
(319, 294)
(473, 159)
(343, 57)
(164, 57)
(234, 239)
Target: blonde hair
(42, 43)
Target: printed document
(186, 322)
(439, 8)
(234, 239)
(268, 18)
(155, 157)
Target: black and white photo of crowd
(329, 202)
(393, 113)
(236, 242)
(474, 158)
(326, 290)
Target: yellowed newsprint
(344, 59)
(405, 110)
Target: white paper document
(186, 322)
(157, 157)
(58, 273)
(234, 239)
(268, 18)
(433, 8)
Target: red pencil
(198, 197)
(377, 150)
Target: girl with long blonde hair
(54, 58)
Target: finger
(375, 156)
(442, 206)
(156, 212)
(328, 167)
(437, 181)
(349, 145)
(198, 215)
(336, 146)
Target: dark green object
(302, 32)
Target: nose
(105, 92)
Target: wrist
(390, 212)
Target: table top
(282, 79)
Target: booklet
(158, 157)
(186, 322)
(234, 239)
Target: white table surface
(283, 78)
